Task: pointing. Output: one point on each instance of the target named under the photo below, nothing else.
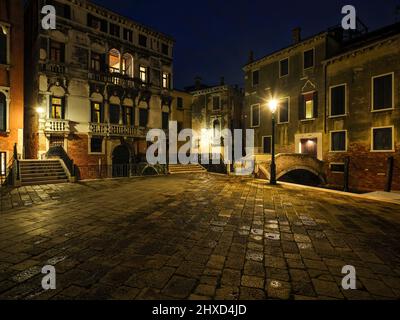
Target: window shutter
(62, 52)
(301, 107)
(103, 63)
(315, 99)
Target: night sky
(213, 38)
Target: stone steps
(185, 168)
(35, 172)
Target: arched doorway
(120, 161)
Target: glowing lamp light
(40, 110)
(273, 105)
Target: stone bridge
(288, 162)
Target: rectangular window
(382, 92)
(143, 117)
(3, 163)
(337, 167)
(338, 141)
(57, 50)
(57, 108)
(267, 145)
(308, 59)
(95, 62)
(97, 23)
(128, 35)
(166, 80)
(3, 47)
(308, 108)
(143, 74)
(382, 139)
(165, 120)
(338, 100)
(216, 103)
(165, 49)
(115, 30)
(255, 115)
(96, 144)
(179, 103)
(142, 40)
(283, 111)
(3, 112)
(97, 112)
(284, 68)
(114, 113)
(129, 116)
(255, 77)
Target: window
(96, 145)
(382, 92)
(114, 61)
(128, 35)
(165, 120)
(308, 108)
(267, 145)
(337, 167)
(57, 51)
(216, 103)
(338, 100)
(382, 139)
(97, 112)
(97, 23)
(3, 112)
(283, 111)
(114, 113)
(143, 73)
(166, 80)
(129, 116)
(179, 103)
(115, 30)
(255, 115)
(165, 49)
(57, 108)
(255, 78)
(95, 62)
(127, 65)
(3, 163)
(283, 68)
(143, 117)
(308, 59)
(179, 126)
(142, 40)
(3, 47)
(63, 10)
(338, 141)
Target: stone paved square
(195, 237)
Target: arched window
(127, 65)
(114, 61)
(3, 112)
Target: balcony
(57, 68)
(116, 130)
(59, 126)
(115, 78)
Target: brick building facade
(11, 81)
(338, 99)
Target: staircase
(34, 172)
(185, 168)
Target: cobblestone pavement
(198, 237)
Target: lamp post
(273, 106)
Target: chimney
(197, 82)
(251, 56)
(222, 81)
(296, 35)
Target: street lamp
(273, 106)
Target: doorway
(120, 161)
(309, 146)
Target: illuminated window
(57, 108)
(3, 163)
(114, 61)
(166, 80)
(127, 65)
(308, 108)
(143, 73)
(97, 112)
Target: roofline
(170, 38)
(302, 42)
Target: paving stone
(252, 282)
(179, 287)
(327, 288)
